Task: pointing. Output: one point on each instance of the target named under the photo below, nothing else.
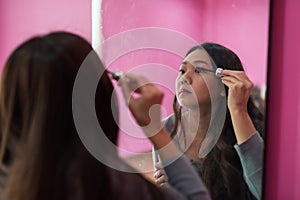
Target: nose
(184, 81)
(186, 78)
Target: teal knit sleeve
(251, 156)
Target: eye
(181, 71)
(198, 70)
(201, 70)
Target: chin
(188, 104)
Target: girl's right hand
(145, 105)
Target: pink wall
(283, 144)
(23, 19)
(20, 20)
(122, 15)
(241, 26)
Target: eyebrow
(184, 62)
(200, 61)
(195, 62)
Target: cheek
(203, 90)
(213, 87)
(177, 83)
(203, 94)
(200, 85)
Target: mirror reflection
(153, 39)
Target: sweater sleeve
(251, 155)
(183, 181)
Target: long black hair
(39, 142)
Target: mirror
(152, 37)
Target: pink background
(241, 26)
(20, 20)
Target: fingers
(125, 90)
(131, 83)
(239, 89)
(159, 173)
(146, 106)
(237, 79)
(160, 177)
(238, 75)
(161, 181)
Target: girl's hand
(144, 100)
(159, 175)
(240, 88)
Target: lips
(184, 91)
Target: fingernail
(155, 175)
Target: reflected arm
(251, 156)
(183, 180)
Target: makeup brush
(115, 75)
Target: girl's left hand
(159, 175)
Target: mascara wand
(115, 75)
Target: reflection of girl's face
(194, 84)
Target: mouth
(184, 91)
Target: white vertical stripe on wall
(97, 26)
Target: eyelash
(181, 71)
(197, 70)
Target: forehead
(197, 55)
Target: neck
(195, 125)
(197, 119)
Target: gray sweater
(185, 184)
(251, 155)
